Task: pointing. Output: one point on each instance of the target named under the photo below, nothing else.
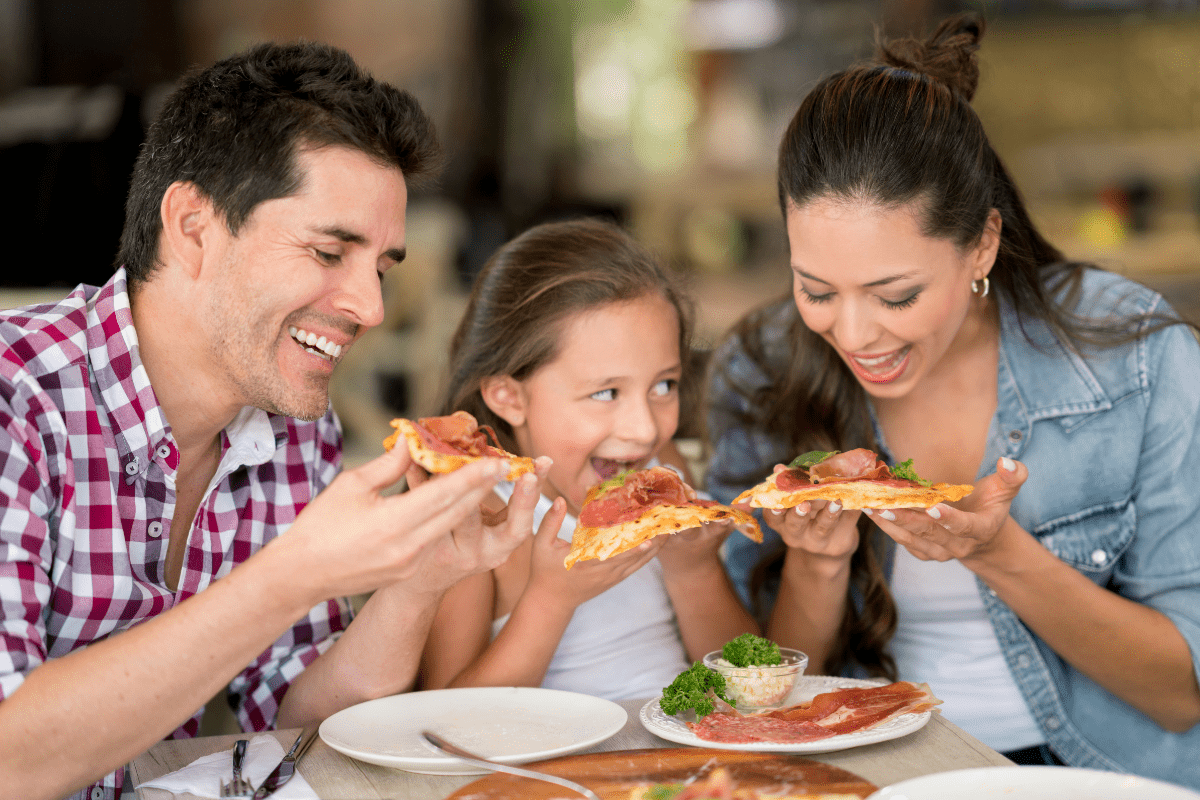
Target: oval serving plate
(512, 725)
(1032, 783)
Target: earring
(981, 292)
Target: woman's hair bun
(947, 56)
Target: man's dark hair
(235, 128)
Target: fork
(237, 786)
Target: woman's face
(890, 300)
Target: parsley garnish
(904, 470)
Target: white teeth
(318, 343)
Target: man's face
(304, 267)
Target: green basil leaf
(904, 470)
(811, 458)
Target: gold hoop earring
(976, 290)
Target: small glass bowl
(759, 688)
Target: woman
(1056, 609)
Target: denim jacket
(1112, 443)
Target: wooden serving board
(613, 775)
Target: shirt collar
(1046, 377)
(140, 429)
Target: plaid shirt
(87, 471)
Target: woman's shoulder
(1104, 295)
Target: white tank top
(944, 638)
(622, 644)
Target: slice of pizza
(622, 512)
(444, 444)
(856, 479)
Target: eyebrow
(880, 282)
(396, 254)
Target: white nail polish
(887, 515)
(800, 511)
(869, 512)
(835, 507)
(1008, 464)
(933, 512)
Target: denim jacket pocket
(1091, 540)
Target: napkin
(203, 776)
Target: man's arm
(106, 703)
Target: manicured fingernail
(835, 507)
(1008, 464)
(496, 468)
(887, 515)
(933, 512)
(801, 512)
(869, 512)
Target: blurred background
(662, 114)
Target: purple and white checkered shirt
(87, 471)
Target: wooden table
(938, 747)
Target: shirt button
(154, 529)
(163, 450)
(1023, 661)
(1052, 723)
(97, 793)
(1014, 436)
(131, 467)
(1099, 557)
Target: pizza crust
(603, 543)
(437, 462)
(854, 495)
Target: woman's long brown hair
(899, 131)
(530, 287)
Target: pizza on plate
(444, 444)
(856, 479)
(721, 785)
(622, 512)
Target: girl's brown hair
(900, 131)
(530, 287)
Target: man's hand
(353, 539)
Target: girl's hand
(816, 527)
(693, 547)
(974, 531)
(586, 579)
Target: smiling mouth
(317, 345)
(610, 468)
(881, 369)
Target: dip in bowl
(759, 688)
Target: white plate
(510, 724)
(1032, 783)
(671, 727)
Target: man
(164, 438)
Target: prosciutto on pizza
(856, 479)
(621, 513)
(444, 444)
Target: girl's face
(608, 401)
(890, 300)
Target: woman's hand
(549, 577)
(975, 531)
(816, 527)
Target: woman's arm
(1129, 648)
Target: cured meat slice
(830, 714)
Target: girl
(1059, 616)
(572, 347)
